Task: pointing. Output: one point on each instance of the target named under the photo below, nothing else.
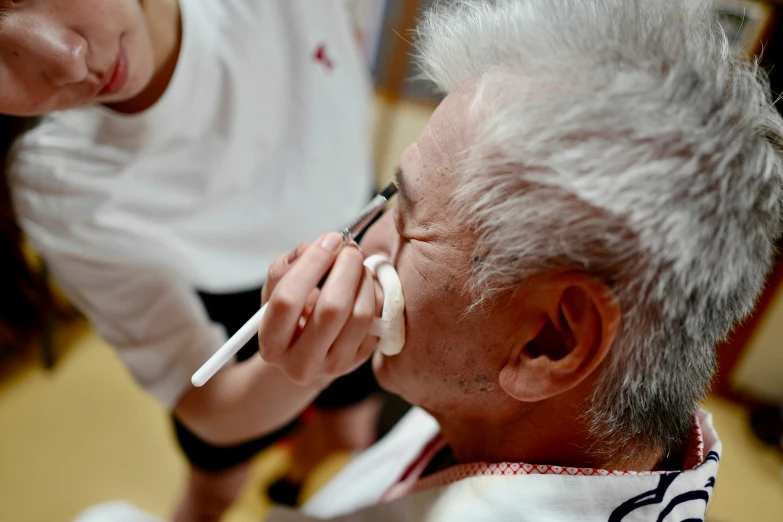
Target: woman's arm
(245, 401)
(160, 330)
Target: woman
(183, 146)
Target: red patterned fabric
(410, 481)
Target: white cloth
(506, 494)
(261, 142)
(494, 492)
(115, 511)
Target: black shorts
(232, 310)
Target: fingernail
(332, 241)
(292, 256)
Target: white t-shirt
(260, 142)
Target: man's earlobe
(564, 335)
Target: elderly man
(589, 210)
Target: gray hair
(620, 137)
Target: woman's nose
(61, 54)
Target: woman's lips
(119, 76)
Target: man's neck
(165, 28)
(536, 437)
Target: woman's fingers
(332, 310)
(288, 295)
(278, 268)
(306, 313)
(309, 332)
(344, 355)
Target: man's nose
(61, 54)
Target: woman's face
(60, 54)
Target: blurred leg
(216, 472)
(209, 494)
(352, 428)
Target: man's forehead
(427, 173)
(446, 132)
(439, 147)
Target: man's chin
(380, 367)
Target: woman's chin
(130, 92)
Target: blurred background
(75, 430)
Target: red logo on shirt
(321, 57)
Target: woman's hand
(313, 334)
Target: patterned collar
(412, 480)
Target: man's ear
(564, 327)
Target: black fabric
(349, 389)
(211, 458)
(284, 493)
(443, 460)
(231, 311)
(394, 409)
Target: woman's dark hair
(25, 299)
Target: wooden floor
(84, 433)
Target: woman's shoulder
(234, 19)
(62, 169)
(80, 139)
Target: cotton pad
(390, 327)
